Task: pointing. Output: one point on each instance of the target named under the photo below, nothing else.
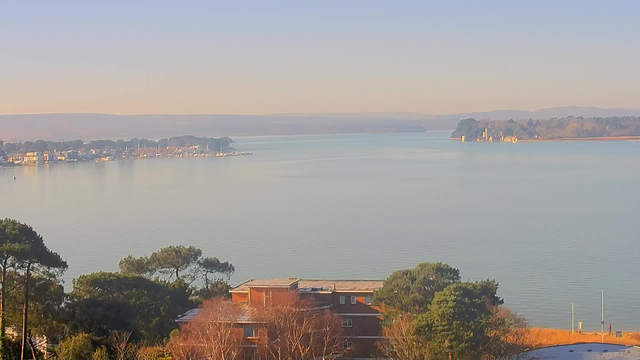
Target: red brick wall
(359, 307)
(239, 297)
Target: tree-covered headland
(551, 129)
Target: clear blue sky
(316, 56)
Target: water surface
(553, 222)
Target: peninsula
(566, 128)
(46, 152)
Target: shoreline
(603, 138)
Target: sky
(257, 57)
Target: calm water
(554, 223)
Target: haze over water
(553, 222)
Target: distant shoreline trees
(571, 127)
(214, 144)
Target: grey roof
(342, 285)
(313, 285)
(288, 282)
(248, 316)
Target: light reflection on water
(554, 223)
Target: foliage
(136, 266)
(122, 347)
(507, 333)
(211, 334)
(28, 254)
(562, 128)
(219, 288)
(297, 330)
(45, 305)
(457, 322)
(76, 347)
(99, 316)
(402, 340)
(185, 264)
(411, 290)
(152, 353)
(12, 243)
(177, 262)
(214, 144)
(212, 266)
(172, 260)
(150, 306)
(100, 354)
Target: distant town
(47, 152)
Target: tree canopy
(430, 313)
(556, 128)
(457, 322)
(214, 144)
(411, 290)
(130, 302)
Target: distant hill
(542, 114)
(105, 126)
(101, 126)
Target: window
(268, 298)
(342, 300)
(367, 300)
(353, 300)
(347, 344)
(250, 331)
(347, 323)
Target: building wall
(365, 318)
(240, 297)
(268, 296)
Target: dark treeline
(214, 144)
(557, 128)
(429, 312)
(107, 314)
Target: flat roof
(342, 285)
(313, 284)
(288, 282)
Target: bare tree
(298, 329)
(507, 333)
(212, 334)
(402, 341)
(123, 348)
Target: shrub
(77, 347)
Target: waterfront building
(33, 157)
(350, 299)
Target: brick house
(351, 299)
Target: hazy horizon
(280, 57)
(332, 113)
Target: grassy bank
(541, 337)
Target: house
(351, 299)
(34, 157)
